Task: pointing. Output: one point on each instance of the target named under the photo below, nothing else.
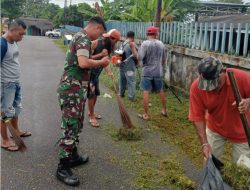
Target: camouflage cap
(209, 69)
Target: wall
(182, 64)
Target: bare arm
(201, 131)
(87, 63)
(100, 55)
(134, 50)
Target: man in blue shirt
(128, 66)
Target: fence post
(238, 39)
(230, 46)
(246, 40)
(182, 33)
(191, 35)
(211, 37)
(217, 37)
(200, 35)
(223, 38)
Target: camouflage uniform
(72, 91)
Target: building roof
(237, 18)
(43, 24)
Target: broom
(126, 121)
(17, 139)
(238, 98)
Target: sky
(91, 2)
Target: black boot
(76, 159)
(65, 174)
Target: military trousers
(72, 97)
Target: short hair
(98, 20)
(130, 34)
(16, 23)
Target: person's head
(152, 32)
(130, 35)
(16, 30)
(95, 27)
(107, 44)
(211, 74)
(114, 36)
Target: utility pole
(158, 14)
(65, 14)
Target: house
(37, 26)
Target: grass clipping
(128, 134)
(169, 173)
(237, 177)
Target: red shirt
(222, 117)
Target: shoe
(132, 99)
(77, 160)
(65, 174)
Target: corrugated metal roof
(43, 24)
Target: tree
(12, 8)
(144, 11)
(86, 11)
(33, 8)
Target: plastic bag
(211, 177)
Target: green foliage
(236, 176)
(11, 8)
(144, 11)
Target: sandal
(11, 148)
(24, 134)
(97, 116)
(143, 116)
(94, 123)
(164, 114)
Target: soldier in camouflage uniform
(72, 92)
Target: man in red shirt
(213, 111)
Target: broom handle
(238, 100)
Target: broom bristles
(17, 139)
(126, 121)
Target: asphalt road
(42, 65)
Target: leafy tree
(34, 8)
(11, 8)
(143, 10)
(49, 11)
(86, 11)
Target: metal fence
(232, 39)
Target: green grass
(152, 170)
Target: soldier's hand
(105, 61)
